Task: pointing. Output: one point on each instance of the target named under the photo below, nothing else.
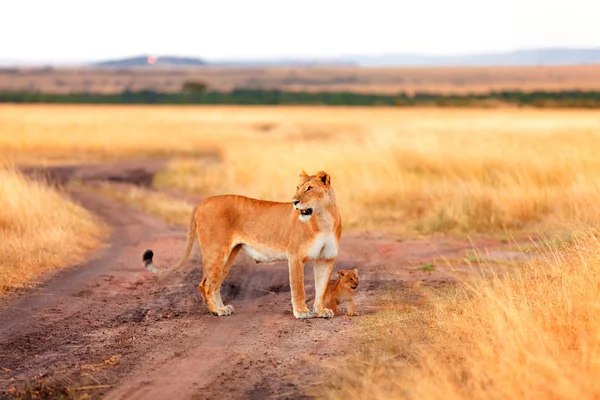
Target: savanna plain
(474, 232)
(446, 80)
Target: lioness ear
(324, 178)
(302, 174)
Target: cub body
(342, 291)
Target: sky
(76, 30)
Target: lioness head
(313, 193)
(349, 278)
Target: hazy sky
(93, 29)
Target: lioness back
(244, 215)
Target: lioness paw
(230, 308)
(225, 311)
(303, 314)
(325, 313)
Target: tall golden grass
(421, 171)
(400, 170)
(40, 230)
(48, 133)
(533, 334)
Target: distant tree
(194, 87)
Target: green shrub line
(542, 99)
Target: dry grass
(403, 171)
(97, 133)
(534, 334)
(40, 230)
(419, 171)
(458, 80)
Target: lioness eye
(308, 188)
(297, 187)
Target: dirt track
(169, 345)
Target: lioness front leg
(297, 288)
(323, 270)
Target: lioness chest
(322, 246)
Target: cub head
(349, 278)
(313, 193)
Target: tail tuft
(147, 257)
(149, 254)
(147, 260)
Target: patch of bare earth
(109, 329)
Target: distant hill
(143, 61)
(150, 61)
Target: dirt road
(109, 329)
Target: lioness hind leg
(205, 289)
(224, 274)
(213, 271)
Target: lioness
(307, 229)
(342, 291)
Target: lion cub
(342, 291)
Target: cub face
(311, 193)
(349, 278)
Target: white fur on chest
(324, 246)
(304, 218)
(264, 254)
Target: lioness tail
(149, 254)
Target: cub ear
(355, 271)
(324, 178)
(341, 273)
(302, 174)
